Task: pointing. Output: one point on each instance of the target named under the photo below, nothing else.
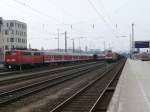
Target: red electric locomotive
(17, 58)
(111, 56)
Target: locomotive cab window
(8, 53)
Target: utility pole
(149, 47)
(109, 46)
(1, 41)
(73, 46)
(65, 41)
(132, 39)
(86, 49)
(80, 45)
(29, 46)
(58, 38)
(104, 47)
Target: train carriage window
(37, 54)
(26, 54)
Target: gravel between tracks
(18, 84)
(13, 73)
(47, 99)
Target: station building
(13, 35)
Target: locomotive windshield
(10, 53)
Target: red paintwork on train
(19, 57)
(111, 56)
(22, 57)
(144, 56)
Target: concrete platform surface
(133, 89)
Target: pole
(65, 41)
(73, 45)
(132, 39)
(130, 45)
(79, 45)
(1, 39)
(58, 38)
(149, 48)
(86, 48)
(104, 47)
(109, 46)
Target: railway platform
(132, 93)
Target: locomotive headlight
(8, 60)
(13, 60)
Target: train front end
(12, 59)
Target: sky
(92, 22)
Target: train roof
(53, 52)
(66, 53)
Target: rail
(84, 99)
(14, 95)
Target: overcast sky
(95, 20)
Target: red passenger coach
(50, 57)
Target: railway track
(26, 76)
(87, 98)
(13, 95)
(102, 103)
(3, 71)
(7, 72)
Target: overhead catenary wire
(104, 11)
(62, 9)
(37, 11)
(44, 14)
(47, 16)
(102, 18)
(38, 31)
(121, 6)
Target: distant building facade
(13, 35)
